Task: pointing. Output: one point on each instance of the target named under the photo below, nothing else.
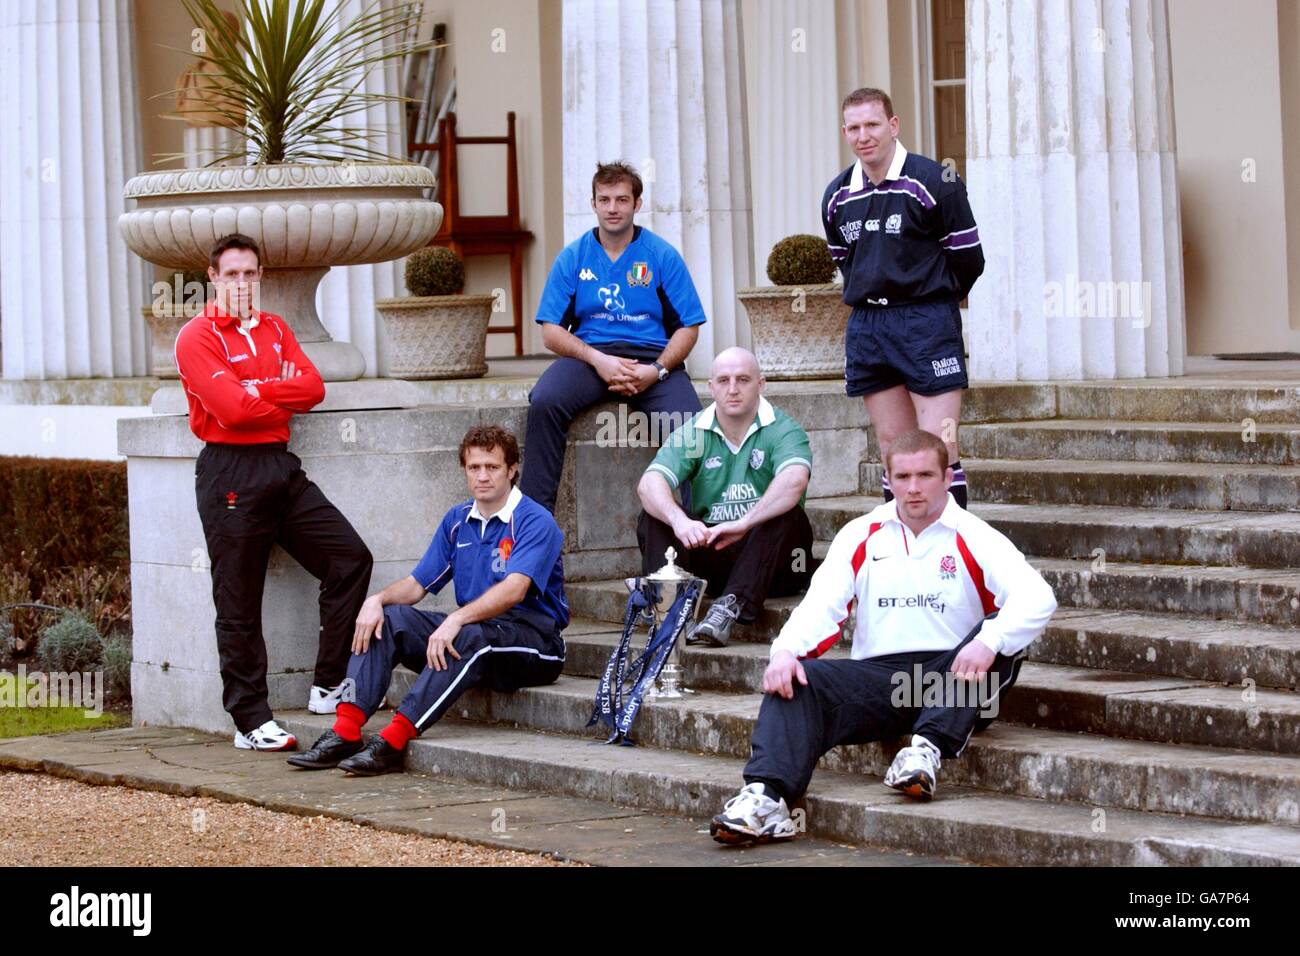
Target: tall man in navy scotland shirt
(502, 551)
(903, 234)
(622, 313)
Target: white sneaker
(270, 736)
(325, 700)
(915, 769)
(750, 817)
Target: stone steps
(1178, 400)
(1222, 442)
(967, 823)
(1163, 536)
(1147, 484)
(1008, 758)
(1163, 645)
(1055, 696)
(1251, 596)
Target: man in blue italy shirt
(621, 312)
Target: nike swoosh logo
(465, 545)
(881, 558)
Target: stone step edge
(697, 786)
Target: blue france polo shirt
(635, 298)
(522, 537)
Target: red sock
(400, 732)
(348, 721)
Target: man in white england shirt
(943, 601)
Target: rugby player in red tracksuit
(245, 377)
(943, 600)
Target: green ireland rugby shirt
(727, 481)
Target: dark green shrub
(800, 260)
(62, 512)
(117, 668)
(434, 270)
(70, 646)
(7, 644)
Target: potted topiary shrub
(436, 332)
(799, 321)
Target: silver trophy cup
(669, 582)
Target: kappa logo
(894, 224)
(586, 275)
(873, 225)
(713, 462)
(756, 458)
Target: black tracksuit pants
(773, 560)
(251, 497)
(856, 702)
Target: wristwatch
(663, 372)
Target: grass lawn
(22, 721)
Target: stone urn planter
(437, 336)
(305, 216)
(798, 330)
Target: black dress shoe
(326, 752)
(379, 756)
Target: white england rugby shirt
(919, 592)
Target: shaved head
(735, 359)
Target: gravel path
(49, 821)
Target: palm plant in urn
(798, 323)
(284, 78)
(436, 332)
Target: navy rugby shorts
(916, 345)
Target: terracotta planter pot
(798, 330)
(437, 336)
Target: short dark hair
(488, 437)
(918, 439)
(611, 174)
(869, 94)
(236, 240)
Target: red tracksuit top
(216, 360)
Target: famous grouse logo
(947, 567)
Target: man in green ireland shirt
(748, 466)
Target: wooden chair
(482, 235)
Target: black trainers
(715, 629)
(326, 752)
(379, 756)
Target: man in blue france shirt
(502, 551)
(622, 313)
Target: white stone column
(793, 113)
(71, 294)
(345, 298)
(660, 84)
(202, 144)
(1071, 172)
